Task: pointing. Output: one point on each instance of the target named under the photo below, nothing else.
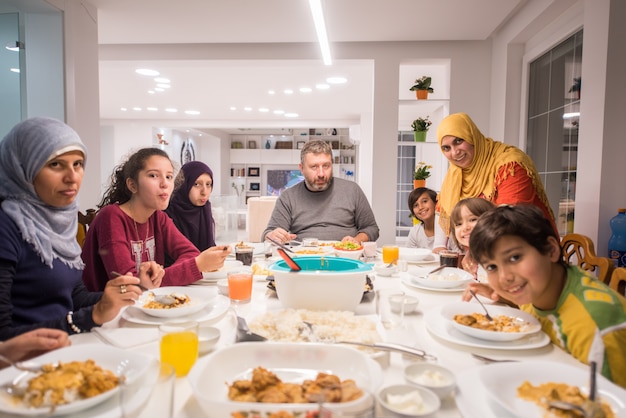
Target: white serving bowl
(324, 283)
(433, 377)
(292, 362)
(410, 303)
(384, 269)
(468, 308)
(430, 402)
(414, 254)
(351, 254)
(447, 278)
(207, 338)
(199, 298)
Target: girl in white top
(422, 203)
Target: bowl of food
(415, 254)
(348, 249)
(406, 401)
(446, 278)
(507, 324)
(385, 269)
(433, 377)
(174, 301)
(323, 283)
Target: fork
(491, 360)
(25, 366)
(162, 299)
(489, 318)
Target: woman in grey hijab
(41, 170)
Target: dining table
(415, 330)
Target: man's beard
(316, 188)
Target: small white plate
(213, 311)
(105, 356)
(413, 255)
(501, 381)
(199, 298)
(439, 326)
(448, 277)
(531, 324)
(214, 276)
(409, 281)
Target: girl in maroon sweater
(131, 233)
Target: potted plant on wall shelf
(420, 127)
(421, 173)
(421, 87)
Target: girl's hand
(151, 274)
(212, 258)
(118, 293)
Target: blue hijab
(195, 222)
(24, 151)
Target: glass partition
(10, 99)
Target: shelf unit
(252, 154)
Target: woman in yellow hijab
(482, 167)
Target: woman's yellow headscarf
(480, 177)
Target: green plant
(421, 124)
(422, 171)
(422, 83)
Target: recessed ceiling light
(263, 109)
(164, 86)
(291, 115)
(199, 134)
(336, 80)
(162, 80)
(123, 109)
(247, 109)
(152, 109)
(150, 91)
(305, 89)
(233, 108)
(147, 71)
(322, 86)
(158, 89)
(279, 112)
(288, 91)
(137, 109)
(171, 110)
(192, 112)
(271, 92)
(15, 70)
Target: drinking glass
(240, 286)
(179, 345)
(160, 401)
(244, 254)
(390, 307)
(369, 249)
(449, 259)
(391, 253)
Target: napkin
(127, 337)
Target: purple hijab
(195, 222)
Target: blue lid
(324, 263)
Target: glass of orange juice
(240, 286)
(179, 345)
(391, 253)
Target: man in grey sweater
(321, 206)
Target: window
(553, 115)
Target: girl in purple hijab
(190, 208)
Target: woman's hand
(151, 274)
(118, 293)
(212, 258)
(33, 343)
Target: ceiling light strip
(320, 28)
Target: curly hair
(118, 191)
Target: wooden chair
(84, 219)
(578, 249)
(618, 280)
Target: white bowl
(351, 254)
(199, 298)
(222, 272)
(467, 308)
(222, 286)
(447, 278)
(410, 303)
(392, 399)
(433, 377)
(289, 361)
(414, 254)
(207, 338)
(324, 283)
(383, 269)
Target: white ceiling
(211, 86)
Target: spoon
(568, 406)
(489, 318)
(162, 299)
(25, 366)
(491, 360)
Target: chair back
(84, 220)
(259, 212)
(578, 249)
(618, 280)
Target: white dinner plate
(292, 362)
(199, 298)
(214, 276)
(136, 368)
(212, 312)
(448, 277)
(529, 324)
(410, 281)
(501, 381)
(442, 328)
